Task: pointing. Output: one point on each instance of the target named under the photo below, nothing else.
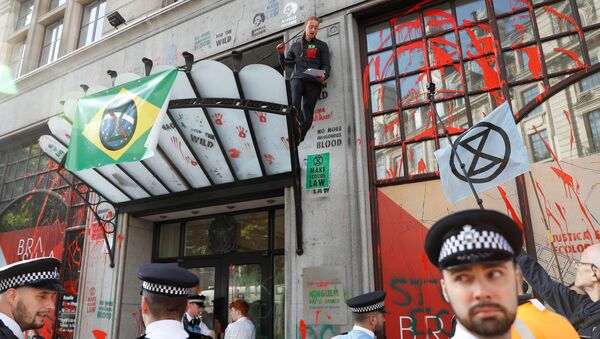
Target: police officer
(165, 289)
(309, 52)
(475, 251)
(28, 291)
(368, 312)
(193, 321)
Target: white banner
(492, 151)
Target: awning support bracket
(108, 225)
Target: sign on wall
(317, 171)
(324, 290)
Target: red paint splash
(421, 168)
(562, 16)
(234, 153)
(572, 138)
(98, 334)
(405, 29)
(440, 55)
(491, 80)
(483, 45)
(570, 54)
(509, 207)
(534, 64)
(302, 329)
(121, 237)
(567, 180)
(439, 18)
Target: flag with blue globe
(120, 124)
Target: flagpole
(430, 95)
(547, 228)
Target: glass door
(233, 278)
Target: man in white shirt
(28, 291)
(165, 288)
(368, 312)
(241, 327)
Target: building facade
(373, 122)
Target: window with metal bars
(478, 53)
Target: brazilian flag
(119, 124)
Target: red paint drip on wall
(98, 334)
(302, 329)
(572, 138)
(509, 207)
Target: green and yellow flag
(120, 124)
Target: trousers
(305, 94)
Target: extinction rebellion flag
(119, 124)
(492, 151)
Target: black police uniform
(580, 310)
(171, 281)
(306, 88)
(5, 332)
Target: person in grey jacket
(307, 53)
(582, 311)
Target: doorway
(235, 256)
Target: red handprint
(241, 131)
(262, 117)
(269, 158)
(218, 118)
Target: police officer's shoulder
(472, 236)
(39, 273)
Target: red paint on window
(562, 16)
(491, 80)
(483, 45)
(570, 54)
(509, 207)
(439, 18)
(534, 64)
(440, 55)
(421, 168)
(412, 49)
(389, 128)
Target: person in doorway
(28, 291)
(475, 251)
(582, 311)
(241, 327)
(165, 288)
(368, 313)
(311, 68)
(543, 323)
(192, 319)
